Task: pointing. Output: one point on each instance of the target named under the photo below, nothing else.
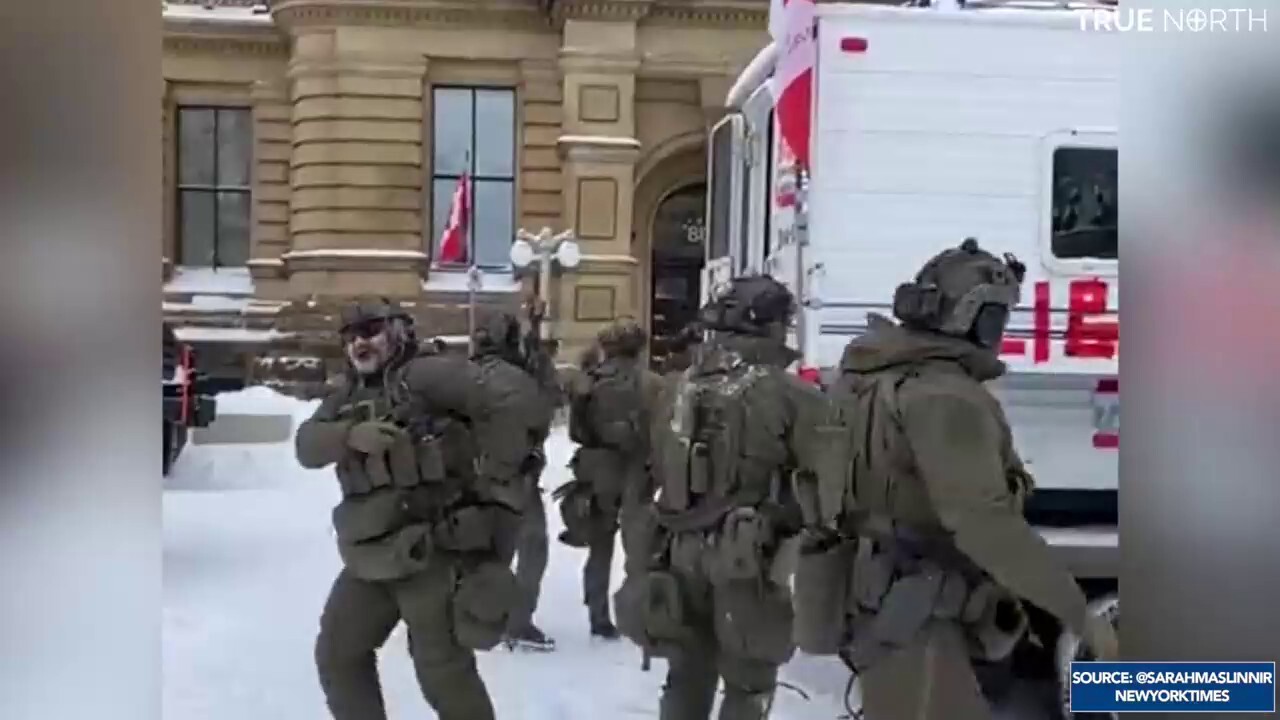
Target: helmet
(623, 337)
(498, 334)
(750, 305)
(964, 292)
(371, 315)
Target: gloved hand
(1100, 637)
(373, 437)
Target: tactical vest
(435, 458)
(702, 455)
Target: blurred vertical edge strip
(80, 215)
(1200, 498)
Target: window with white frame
(1085, 204)
(474, 131)
(214, 157)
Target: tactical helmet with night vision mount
(964, 292)
(624, 337)
(751, 305)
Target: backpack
(617, 393)
(697, 442)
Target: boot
(530, 638)
(604, 630)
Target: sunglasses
(365, 330)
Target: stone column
(356, 214)
(273, 135)
(599, 150)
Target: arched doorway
(677, 240)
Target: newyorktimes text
(1173, 686)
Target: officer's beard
(989, 326)
(369, 355)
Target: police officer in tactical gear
(497, 347)
(707, 577)
(423, 451)
(609, 419)
(940, 554)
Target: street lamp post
(545, 249)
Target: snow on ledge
(221, 14)
(599, 140)
(209, 304)
(455, 281)
(356, 253)
(210, 281)
(195, 333)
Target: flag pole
(473, 272)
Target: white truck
(996, 121)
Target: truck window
(766, 192)
(1084, 204)
(721, 195)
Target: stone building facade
(312, 147)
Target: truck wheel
(1070, 647)
(173, 440)
(166, 447)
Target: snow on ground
(249, 556)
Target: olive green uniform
(610, 421)
(706, 584)
(959, 478)
(422, 528)
(923, 556)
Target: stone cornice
(753, 14)
(593, 61)
(247, 44)
(610, 10)
(519, 14)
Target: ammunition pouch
(649, 608)
(352, 477)
(482, 603)
(756, 620)
(738, 550)
(468, 529)
(822, 488)
(823, 581)
(393, 556)
(368, 517)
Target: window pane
(721, 190)
(494, 220)
(495, 132)
(451, 136)
(195, 146)
(441, 200)
(235, 143)
(1085, 203)
(233, 229)
(195, 247)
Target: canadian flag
(453, 240)
(791, 24)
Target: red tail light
(810, 375)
